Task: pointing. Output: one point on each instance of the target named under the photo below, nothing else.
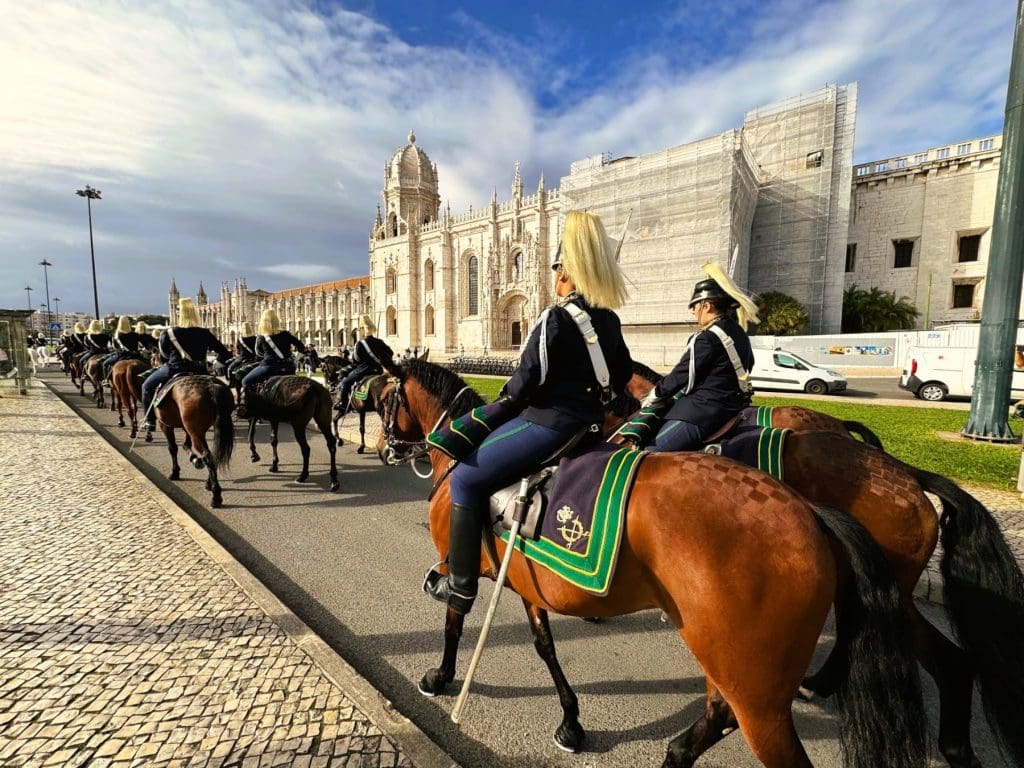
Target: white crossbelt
(177, 346)
(586, 326)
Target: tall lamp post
(49, 317)
(57, 302)
(28, 295)
(91, 194)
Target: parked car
(780, 369)
(935, 373)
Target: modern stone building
(324, 314)
(920, 225)
(774, 191)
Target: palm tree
(781, 314)
(876, 310)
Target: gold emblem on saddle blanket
(571, 528)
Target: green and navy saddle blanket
(462, 435)
(362, 390)
(582, 513)
(758, 415)
(758, 447)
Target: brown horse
(94, 373)
(370, 404)
(984, 588)
(748, 583)
(195, 404)
(783, 417)
(126, 383)
(296, 400)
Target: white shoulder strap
(586, 327)
(273, 346)
(177, 346)
(730, 349)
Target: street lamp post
(49, 317)
(91, 194)
(57, 302)
(28, 295)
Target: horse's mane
(648, 373)
(441, 383)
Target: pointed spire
(412, 137)
(540, 186)
(517, 183)
(380, 219)
(494, 196)
(174, 287)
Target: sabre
(145, 420)
(518, 514)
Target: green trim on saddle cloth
(764, 415)
(769, 450)
(146, 374)
(363, 390)
(593, 569)
(645, 425)
(461, 436)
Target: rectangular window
(969, 247)
(882, 166)
(864, 170)
(921, 158)
(903, 253)
(963, 149)
(986, 144)
(963, 295)
(944, 152)
(814, 159)
(851, 257)
(900, 163)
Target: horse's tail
(881, 709)
(864, 433)
(984, 599)
(224, 428)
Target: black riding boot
(459, 589)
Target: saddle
(164, 389)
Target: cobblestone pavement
(124, 641)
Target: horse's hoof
(360, 449)
(273, 467)
(197, 462)
(335, 485)
(301, 478)
(217, 502)
(174, 476)
(432, 684)
(569, 736)
(255, 457)
(149, 437)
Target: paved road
(350, 565)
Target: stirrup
(439, 587)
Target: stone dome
(410, 165)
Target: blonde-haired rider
(574, 361)
(711, 378)
(245, 353)
(128, 343)
(274, 351)
(184, 347)
(369, 354)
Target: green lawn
(910, 434)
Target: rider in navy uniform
(273, 350)
(556, 382)
(96, 342)
(369, 355)
(184, 347)
(245, 350)
(128, 343)
(715, 384)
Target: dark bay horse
(196, 404)
(984, 587)
(295, 400)
(370, 404)
(748, 582)
(126, 383)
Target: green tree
(876, 310)
(781, 314)
(152, 319)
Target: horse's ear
(426, 354)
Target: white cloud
(302, 273)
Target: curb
(414, 743)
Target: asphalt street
(350, 565)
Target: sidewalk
(128, 637)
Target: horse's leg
(362, 432)
(569, 734)
(300, 438)
(436, 680)
(252, 441)
(273, 445)
(717, 722)
(172, 448)
(324, 424)
(212, 481)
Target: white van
(779, 369)
(935, 373)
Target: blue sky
(249, 138)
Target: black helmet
(710, 290)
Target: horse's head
(416, 399)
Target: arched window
(517, 266)
(392, 321)
(428, 320)
(392, 224)
(390, 281)
(428, 275)
(473, 293)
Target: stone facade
(920, 225)
(772, 191)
